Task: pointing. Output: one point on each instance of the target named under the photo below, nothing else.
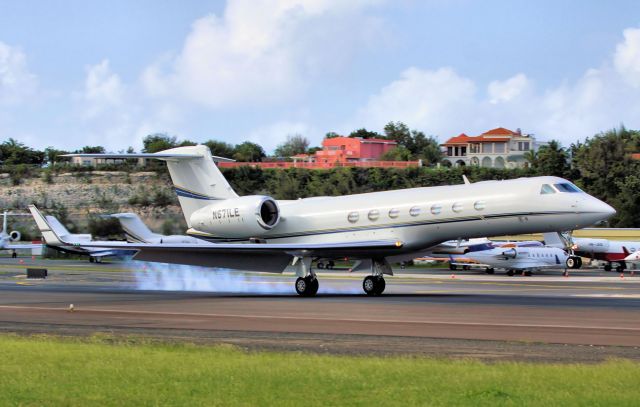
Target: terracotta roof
(635, 156)
(483, 139)
(459, 139)
(499, 131)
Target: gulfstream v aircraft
(260, 233)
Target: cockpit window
(567, 187)
(547, 189)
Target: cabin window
(479, 205)
(374, 214)
(457, 207)
(547, 189)
(393, 213)
(415, 211)
(567, 187)
(436, 209)
(353, 217)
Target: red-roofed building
(496, 148)
(635, 156)
(350, 149)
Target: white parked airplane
(260, 233)
(6, 239)
(516, 258)
(137, 232)
(74, 243)
(611, 251)
(633, 257)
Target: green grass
(110, 371)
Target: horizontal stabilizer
(157, 156)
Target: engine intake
(15, 236)
(244, 217)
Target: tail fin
(197, 181)
(136, 230)
(555, 239)
(48, 233)
(196, 178)
(56, 226)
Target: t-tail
(134, 228)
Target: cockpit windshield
(547, 189)
(567, 187)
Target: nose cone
(595, 210)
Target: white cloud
(16, 82)
(103, 89)
(627, 57)
(444, 103)
(259, 51)
(505, 91)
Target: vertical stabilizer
(135, 229)
(197, 181)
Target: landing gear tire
(320, 265)
(620, 269)
(14, 255)
(307, 286)
(466, 267)
(373, 285)
(510, 273)
(571, 262)
(527, 273)
(330, 265)
(579, 259)
(490, 271)
(608, 267)
(91, 259)
(453, 267)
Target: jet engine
(244, 217)
(15, 236)
(510, 254)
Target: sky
(76, 73)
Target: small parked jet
(6, 239)
(515, 258)
(260, 233)
(74, 243)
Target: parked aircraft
(74, 243)
(13, 236)
(137, 232)
(515, 258)
(261, 233)
(611, 251)
(633, 257)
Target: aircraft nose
(597, 206)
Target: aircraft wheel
(620, 269)
(14, 255)
(466, 267)
(510, 273)
(307, 287)
(320, 265)
(330, 265)
(607, 267)
(490, 270)
(579, 259)
(571, 262)
(373, 285)
(453, 267)
(91, 259)
(527, 273)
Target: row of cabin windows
(393, 213)
(540, 255)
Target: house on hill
(496, 148)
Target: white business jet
(6, 239)
(260, 233)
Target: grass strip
(104, 370)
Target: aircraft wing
(21, 246)
(248, 256)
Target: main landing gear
(574, 262)
(307, 286)
(375, 284)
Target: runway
(590, 315)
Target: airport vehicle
(261, 233)
(74, 242)
(6, 239)
(610, 251)
(137, 232)
(515, 258)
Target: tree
(51, 154)
(220, 148)
(158, 142)
(419, 145)
(296, 144)
(331, 134)
(399, 153)
(551, 159)
(398, 132)
(364, 133)
(12, 152)
(91, 150)
(249, 152)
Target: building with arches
(496, 148)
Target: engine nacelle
(510, 253)
(246, 217)
(15, 236)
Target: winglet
(50, 237)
